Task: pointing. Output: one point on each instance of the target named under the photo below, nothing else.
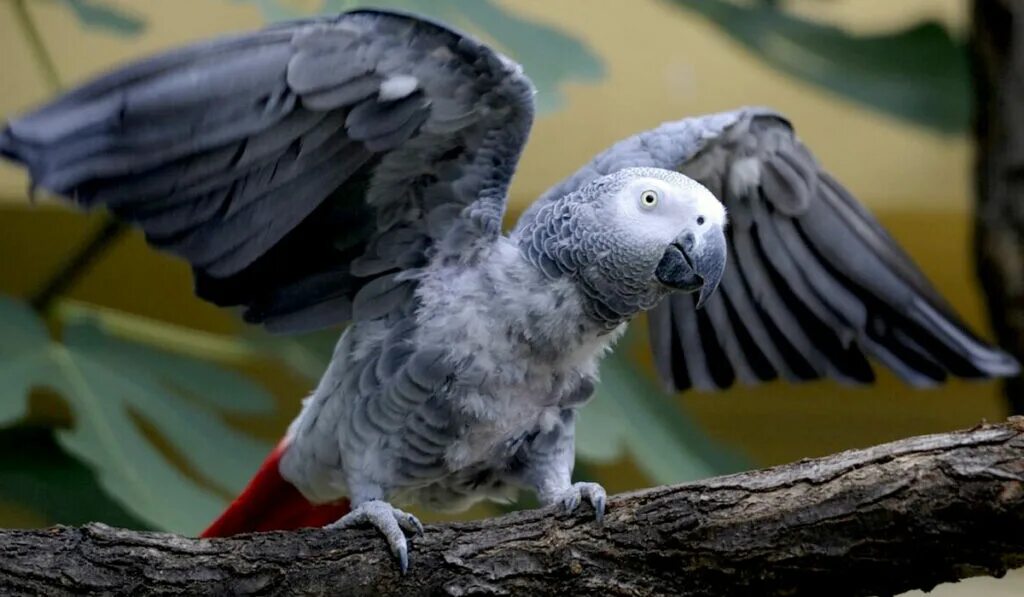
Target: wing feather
(274, 162)
(814, 284)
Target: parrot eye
(648, 199)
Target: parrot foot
(570, 499)
(390, 521)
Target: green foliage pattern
(113, 389)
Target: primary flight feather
(355, 169)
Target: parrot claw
(390, 521)
(592, 492)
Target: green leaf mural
(919, 74)
(106, 17)
(36, 473)
(528, 42)
(111, 386)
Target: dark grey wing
(814, 284)
(306, 170)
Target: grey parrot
(355, 169)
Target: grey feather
(428, 368)
(372, 118)
(209, 170)
(311, 317)
(381, 296)
(312, 73)
(345, 94)
(385, 140)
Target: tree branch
(905, 515)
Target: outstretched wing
(306, 170)
(814, 284)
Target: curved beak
(694, 262)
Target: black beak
(693, 263)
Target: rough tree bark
(997, 51)
(910, 514)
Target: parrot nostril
(688, 241)
(700, 220)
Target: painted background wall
(605, 69)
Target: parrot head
(628, 239)
(670, 225)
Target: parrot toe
(390, 521)
(592, 492)
(571, 501)
(409, 523)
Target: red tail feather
(269, 503)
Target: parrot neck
(562, 240)
(504, 310)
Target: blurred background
(125, 399)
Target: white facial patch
(681, 205)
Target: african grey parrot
(356, 168)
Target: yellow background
(661, 64)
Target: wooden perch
(910, 514)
